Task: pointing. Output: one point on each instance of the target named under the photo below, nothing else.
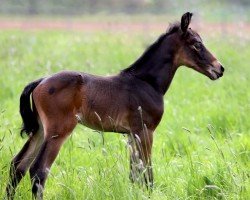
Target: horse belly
(105, 123)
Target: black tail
(29, 117)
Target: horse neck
(158, 68)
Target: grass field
(201, 147)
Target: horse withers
(130, 102)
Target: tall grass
(201, 148)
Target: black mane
(173, 28)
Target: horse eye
(197, 46)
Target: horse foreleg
(140, 158)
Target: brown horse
(130, 103)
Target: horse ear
(185, 21)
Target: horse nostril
(222, 68)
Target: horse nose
(222, 68)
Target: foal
(130, 103)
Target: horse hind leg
(55, 134)
(21, 162)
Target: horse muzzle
(215, 71)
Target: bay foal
(130, 103)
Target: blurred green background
(217, 9)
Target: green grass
(201, 147)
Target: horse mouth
(214, 75)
